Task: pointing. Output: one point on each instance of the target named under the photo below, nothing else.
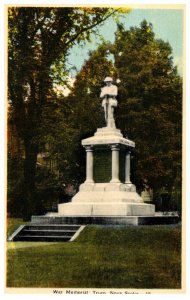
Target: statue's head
(108, 80)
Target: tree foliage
(150, 105)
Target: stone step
(42, 238)
(42, 232)
(52, 227)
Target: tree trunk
(29, 190)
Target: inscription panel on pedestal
(102, 165)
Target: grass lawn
(102, 257)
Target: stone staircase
(46, 233)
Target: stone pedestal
(115, 197)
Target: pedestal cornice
(106, 136)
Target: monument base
(106, 199)
(53, 218)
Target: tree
(150, 103)
(37, 38)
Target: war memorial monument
(115, 196)
(107, 196)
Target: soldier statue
(108, 94)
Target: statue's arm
(114, 91)
(102, 94)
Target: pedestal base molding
(106, 209)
